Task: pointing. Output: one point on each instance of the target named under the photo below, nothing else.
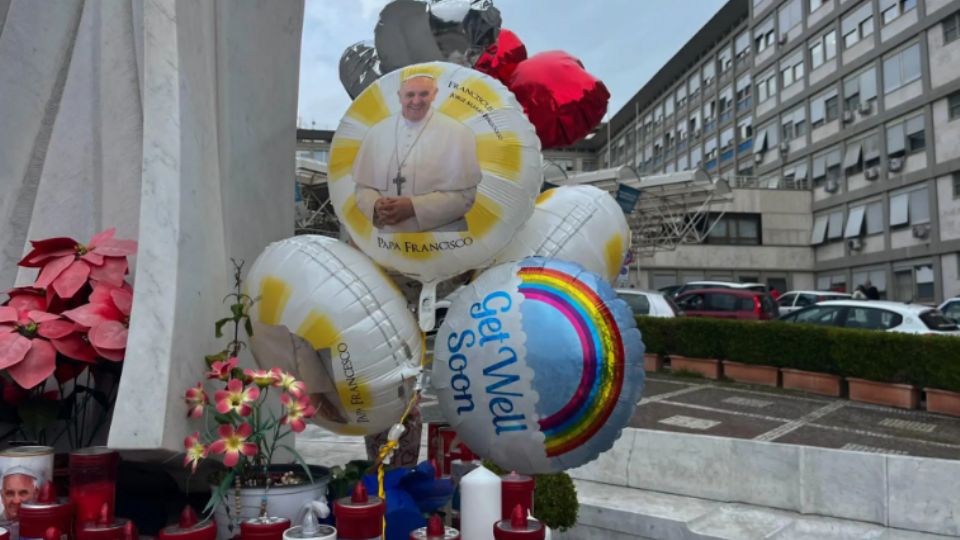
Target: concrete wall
(949, 209)
(946, 132)
(944, 59)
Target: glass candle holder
(93, 482)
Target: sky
(621, 42)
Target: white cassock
(441, 172)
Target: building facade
(838, 124)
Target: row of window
(911, 282)
(906, 207)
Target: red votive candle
(4, 533)
(360, 516)
(266, 528)
(435, 531)
(515, 489)
(189, 528)
(93, 481)
(46, 512)
(518, 527)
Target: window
(910, 208)
(823, 315)
(866, 318)
(680, 96)
(924, 279)
(767, 86)
(709, 73)
(816, 4)
(956, 189)
(953, 104)
(769, 137)
(876, 278)
(764, 35)
(709, 115)
(871, 151)
(819, 233)
(637, 302)
(891, 9)
(745, 130)
(874, 215)
(734, 229)
(794, 124)
(826, 167)
(725, 59)
(695, 124)
(901, 68)
(726, 104)
(823, 48)
(854, 222)
(906, 137)
(744, 93)
(790, 15)
(741, 45)
(668, 106)
(796, 173)
(835, 225)
(853, 158)
(951, 28)
(860, 88)
(791, 69)
(823, 108)
(693, 85)
(726, 138)
(857, 24)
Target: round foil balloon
(582, 224)
(560, 97)
(538, 365)
(359, 67)
(501, 59)
(433, 169)
(328, 315)
(464, 29)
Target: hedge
(923, 361)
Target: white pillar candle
(479, 504)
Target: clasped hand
(392, 210)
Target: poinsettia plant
(240, 425)
(63, 337)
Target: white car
(693, 285)
(651, 303)
(876, 315)
(951, 309)
(795, 300)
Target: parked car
(876, 315)
(652, 303)
(758, 287)
(728, 304)
(951, 309)
(795, 300)
(669, 290)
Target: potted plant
(63, 339)
(240, 425)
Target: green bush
(923, 361)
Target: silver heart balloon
(403, 36)
(464, 29)
(359, 66)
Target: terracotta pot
(749, 373)
(904, 396)
(813, 382)
(943, 401)
(708, 367)
(652, 363)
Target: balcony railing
(766, 182)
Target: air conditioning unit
(855, 244)
(872, 173)
(758, 158)
(831, 186)
(921, 231)
(895, 164)
(783, 39)
(865, 107)
(784, 147)
(847, 117)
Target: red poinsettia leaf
(101, 237)
(75, 347)
(4, 328)
(111, 271)
(114, 355)
(92, 314)
(122, 299)
(26, 299)
(72, 279)
(41, 316)
(68, 371)
(8, 314)
(56, 328)
(95, 259)
(13, 348)
(109, 335)
(117, 248)
(52, 270)
(37, 365)
(46, 249)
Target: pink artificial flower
(195, 451)
(298, 410)
(66, 264)
(222, 370)
(107, 316)
(289, 383)
(196, 400)
(261, 377)
(236, 398)
(233, 443)
(29, 341)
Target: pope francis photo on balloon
(417, 171)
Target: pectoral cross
(399, 181)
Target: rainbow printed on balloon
(603, 357)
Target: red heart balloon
(561, 99)
(501, 59)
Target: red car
(728, 304)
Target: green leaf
(218, 495)
(237, 310)
(299, 459)
(219, 357)
(219, 327)
(38, 414)
(248, 326)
